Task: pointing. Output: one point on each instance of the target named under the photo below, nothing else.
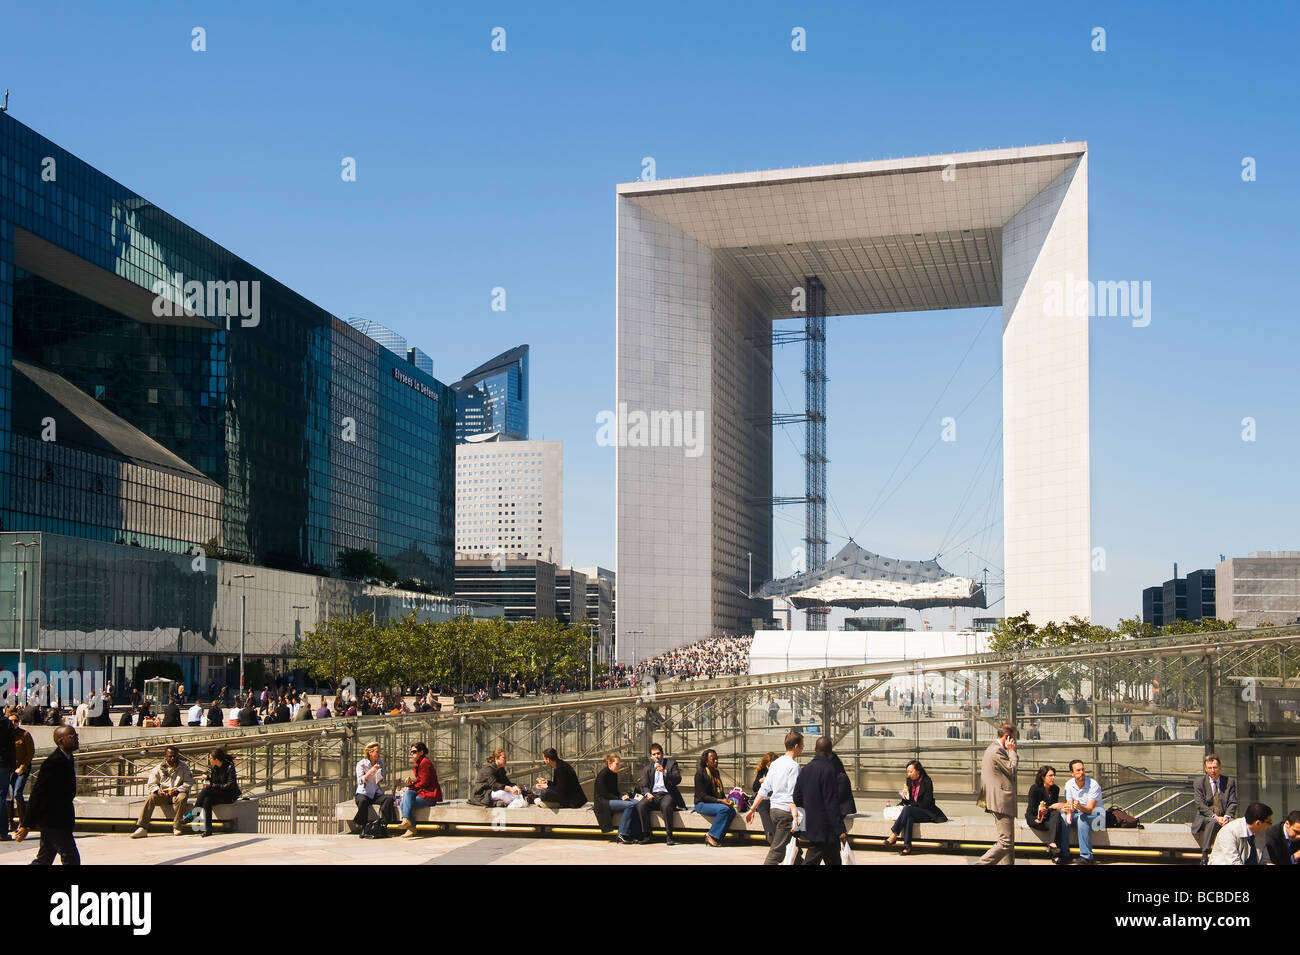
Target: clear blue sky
(478, 169)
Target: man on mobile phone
(998, 794)
(658, 790)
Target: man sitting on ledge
(658, 790)
(169, 787)
(563, 791)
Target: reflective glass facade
(94, 605)
(494, 397)
(223, 388)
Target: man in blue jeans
(1085, 811)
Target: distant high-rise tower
(494, 397)
(394, 342)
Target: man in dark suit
(248, 715)
(658, 790)
(1283, 841)
(50, 807)
(817, 793)
(1216, 804)
(172, 713)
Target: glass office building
(494, 397)
(156, 389)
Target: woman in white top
(370, 789)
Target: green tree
(1013, 634)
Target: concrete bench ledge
(967, 829)
(240, 815)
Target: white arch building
(704, 267)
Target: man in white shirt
(1235, 844)
(1086, 811)
(194, 715)
(778, 786)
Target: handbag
(846, 854)
(892, 812)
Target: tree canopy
(463, 651)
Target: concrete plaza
(254, 849)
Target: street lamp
(243, 620)
(591, 656)
(633, 633)
(22, 628)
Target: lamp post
(591, 656)
(243, 621)
(633, 633)
(22, 625)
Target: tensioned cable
(926, 420)
(982, 463)
(870, 516)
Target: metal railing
(302, 810)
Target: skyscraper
(494, 397)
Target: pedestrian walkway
(253, 849)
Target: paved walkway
(265, 849)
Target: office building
(494, 397)
(509, 499)
(523, 589)
(390, 339)
(157, 390)
(705, 266)
(1261, 588)
(601, 596)
(97, 607)
(1180, 598)
(570, 595)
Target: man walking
(50, 809)
(998, 794)
(1216, 804)
(778, 788)
(817, 793)
(169, 787)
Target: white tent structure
(780, 651)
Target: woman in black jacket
(221, 786)
(711, 798)
(1043, 810)
(918, 805)
(609, 798)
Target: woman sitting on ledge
(918, 805)
(711, 798)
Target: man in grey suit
(998, 794)
(1216, 804)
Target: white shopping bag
(846, 854)
(791, 852)
(892, 812)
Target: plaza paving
(265, 849)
